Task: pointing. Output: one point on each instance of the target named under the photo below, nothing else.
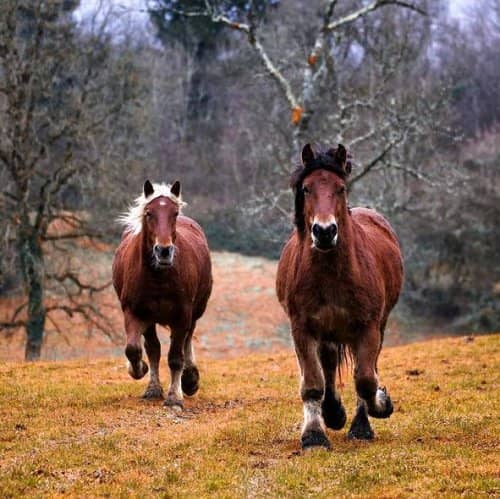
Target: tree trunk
(32, 266)
(300, 135)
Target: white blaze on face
(324, 223)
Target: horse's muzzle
(164, 255)
(324, 237)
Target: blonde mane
(132, 219)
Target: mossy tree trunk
(32, 266)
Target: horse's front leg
(190, 375)
(134, 329)
(373, 400)
(312, 389)
(176, 365)
(332, 409)
(153, 349)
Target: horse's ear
(307, 154)
(341, 155)
(176, 188)
(348, 167)
(148, 188)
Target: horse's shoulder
(290, 249)
(285, 272)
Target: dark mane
(323, 160)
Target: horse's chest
(328, 317)
(160, 306)
(329, 314)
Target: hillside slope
(243, 314)
(80, 428)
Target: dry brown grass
(78, 428)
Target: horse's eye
(341, 191)
(147, 215)
(305, 190)
(176, 213)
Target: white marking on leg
(312, 416)
(380, 400)
(154, 375)
(189, 353)
(175, 386)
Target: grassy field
(79, 428)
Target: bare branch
(376, 4)
(11, 325)
(378, 158)
(251, 32)
(75, 279)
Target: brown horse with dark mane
(339, 276)
(162, 275)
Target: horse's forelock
(132, 220)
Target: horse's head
(154, 215)
(320, 195)
(161, 208)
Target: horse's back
(195, 254)
(122, 259)
(373, 222)
(192, 230)
(379, 239)
(286, 267)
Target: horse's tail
(344, 359)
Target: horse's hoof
(334, 415)
(175, 404)
(314, 438)
(189, 380)
(383, 407)
(360, 432)
(138, 372)
(153, 392)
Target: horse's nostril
(162, 252)
(325, 235)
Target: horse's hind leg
(190, 375)
(134, 328)
(374, 400)
(332, 409)
(153, 349)
(312, 389)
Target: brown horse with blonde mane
(339, 276)
(162, 275)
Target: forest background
(95, 97)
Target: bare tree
(56, 98)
